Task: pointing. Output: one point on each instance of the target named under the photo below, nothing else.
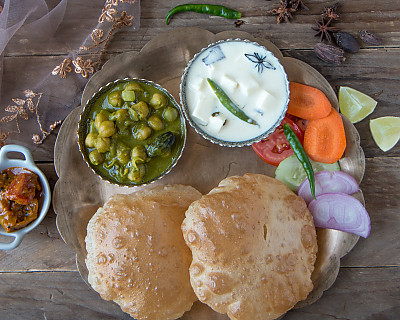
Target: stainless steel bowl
(83, 122)
(197, 127)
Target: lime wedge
(385, 131)
(354, 104)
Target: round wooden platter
(79, 192)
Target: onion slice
(327, 182)
(340, 212)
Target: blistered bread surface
(254, 246)
(136, 254)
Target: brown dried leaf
(29, 93)
(9, 118)
(36, 139)
(24, 114)
(12, 109)
(19, 102)
(30, 105)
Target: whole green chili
(215, 10)
(301, 155)
(228, 103)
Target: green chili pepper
(215, 10)
(228, 103)
(301, 155)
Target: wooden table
(39, 279)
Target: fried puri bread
(254, 246)
(136, 254)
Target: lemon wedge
(385, 131)
(354, 104)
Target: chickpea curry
(134, 132)
(20, 198)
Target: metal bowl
(198, 128)
(28, 163)
(83, 129)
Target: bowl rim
(27, 163)
(197, 128)
(86, 109)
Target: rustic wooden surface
(39, 280)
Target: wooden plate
(78, 192)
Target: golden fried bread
(136, 254)
(254, 246)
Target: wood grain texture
(380, 17)
(63, 295)
(371, 71)
(368, 283)
(380, 188)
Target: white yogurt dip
(252, 78)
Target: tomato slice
(275, 147)
(302, 123)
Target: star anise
(84, 67)
(330, 12)
(284, 12)
(324, 30)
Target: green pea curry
(134, 132)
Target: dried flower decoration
(107, 13)
(97, 35)
(63, 68)
(84, 67)
(116, 2)
(21, 109)
(124, 20)
(36, 138)
(30, 105)
(3, 138)
(100, 40)
(18, 110)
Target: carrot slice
(325, 138)
(307, 102)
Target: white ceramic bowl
(28, 163)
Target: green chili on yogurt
(228, 103)
(298, 150)
(215, 10)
